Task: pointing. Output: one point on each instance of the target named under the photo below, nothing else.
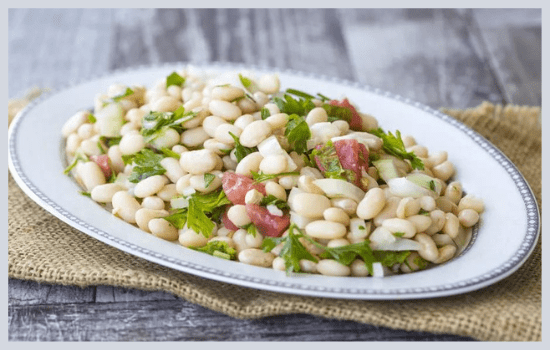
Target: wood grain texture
(180, 321)
(453, 58)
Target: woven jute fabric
(44, 249)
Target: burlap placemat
(44, 249)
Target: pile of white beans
(442, 226)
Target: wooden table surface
(443, 57)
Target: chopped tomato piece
(104, 163)
(267, 223)
(356, 122)
(235, 187)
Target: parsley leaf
(110, 141)
(86, 194)
(299, 93)
(197, 213)
(169, 153)
(147, 163)
(155, 123)
(79, 157)
(297, 132)
(240, 150)
(247, 83)
(251, 229)
(394, 145)
(292, 252)
(290, 105)
(328, 162)
(265, 113)
(323, 97)
(337, 113)
(208, 178)
(218, 248)
(272, 200)
(174, 79)
(261, 177)
(91, 118)
(126, 93)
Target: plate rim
(504, 270)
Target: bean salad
(234, 167)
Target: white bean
(273, 164)
(372, 204)
(407, 206)
(223, 131)
(397, 225)
(310, 205)
(211, 123)
(253, 196)
(452, 225)
(427, 203)
(316, 115)
(254, 241)
(149, 186)
(288, 181)
(438, 221)
(199, 184)
(167, 192)
(389, 211)
(85, 131)
(194, 137)
(342, 125)
(91, 175)
(199, 162)
(338, 242)
(243, 121)
(90, 147)
(420, 222)
(273, 188)
(73, 142)
(437, 158)
(359, 268)
(115, 156)
(191, 239)
(256, 257)
(74, 122)
(446, 253)
(152, 202)
(144, 215)
(224, 109)
(468, 217)
(453, 192)
(471, 202)
(346, 204)
(104, 193)
(323, 229)
(249, 164)
(336, 215)
(269, 84)
(238, 216)
(444, 171)
(227, 93)
(131, 144)
(306, 184)
(279, 264)
(254, 133)
(125, 206)
(247, 106)
(165, 104)
(429, 250)
(173, 169)
(329, 267)
(277, 121)
(183, 183)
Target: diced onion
(271, 147)
(336, 188)
(402, 187)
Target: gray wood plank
(181, 321)
(513, 41)
(31, 293)
(61, 46)
(428, 55)
(304, 39)
(109, 294)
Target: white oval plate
(507, 235)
